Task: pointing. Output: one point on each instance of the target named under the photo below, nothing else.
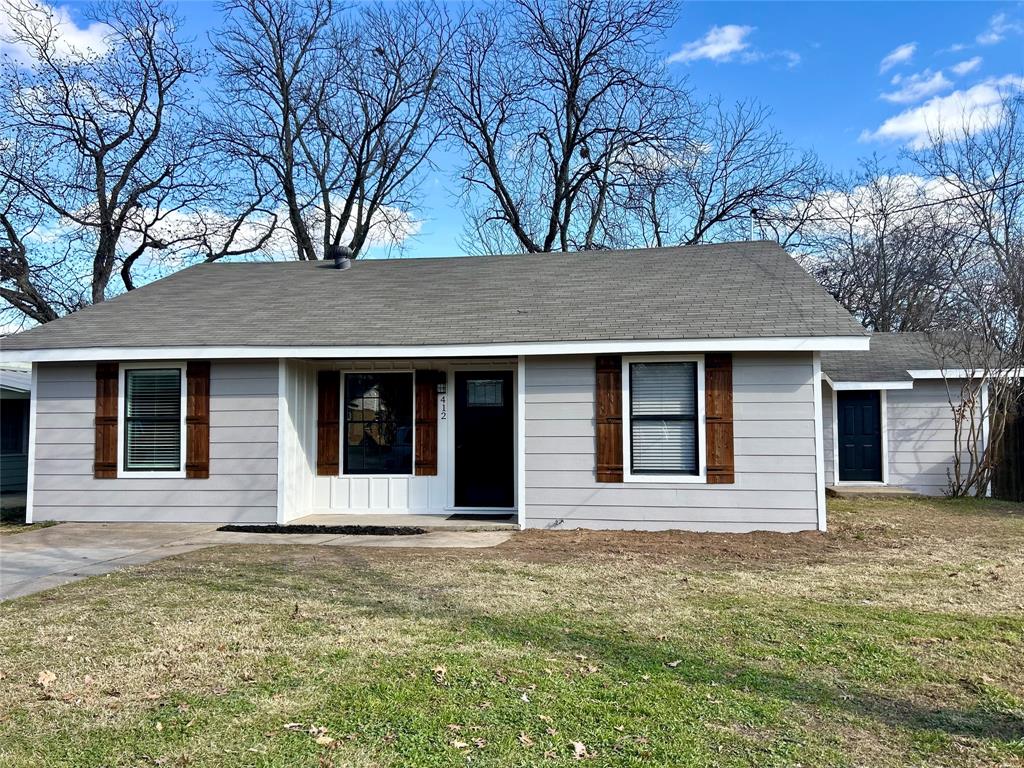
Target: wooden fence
(1008, 479)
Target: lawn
(897, 639)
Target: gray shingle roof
(890, 357)
(731, 290)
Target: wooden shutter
(608, 420)
(197, 419)
(718, 411)
(328, 426)
(426, 421)
(105, 461)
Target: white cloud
(69, 37)
(719, 44)
(729, 43)
(916, 87)
(966, 66)
(973, 108)
(999, 27)
(900, 55)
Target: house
(645, 389)
(15, 389)
(888, 414)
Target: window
(152, 419)
(378, 423)
(485, 393)
(664, 406)
(14, 425)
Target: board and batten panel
(242, 486)
(401, 494)
(775, 488)
(919, 429)
(298, 438)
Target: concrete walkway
(37, 560)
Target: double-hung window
(152, 419)
(664, 433)
(378, 423)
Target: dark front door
(860, 436)
(484, 439)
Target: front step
(868, 492)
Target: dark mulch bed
(346, 530)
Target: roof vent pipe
(342, 256)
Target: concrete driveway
(48, 557)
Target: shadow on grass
(624, 655)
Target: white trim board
(848, 386)
(521, 441)
(819, 443)
(961, 373)
(30, 482)
(641, 346)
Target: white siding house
(542, 389)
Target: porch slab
(868, 491)
(453, 522)
(36, 560)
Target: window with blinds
(152, 419)
(663, 418)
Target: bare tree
(96, 144)
(332, 111)
(981, 162)
(733, 167)
(553, 105)
(983, 389)
(879, 246)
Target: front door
(860, 436)
(484, 439)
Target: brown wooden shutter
(718, 412)
(105, 461)
(328, 426)
(197, 419)
(608, 420)
(426, 421)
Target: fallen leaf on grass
(325, 741)
(524, 739)
(674, 664)
(580, 751)
(440, 675)
(46, 679)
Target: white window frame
(627, 425)
(343, 431)
(122, 445)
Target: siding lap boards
(243, 457)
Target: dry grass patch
(894, 640)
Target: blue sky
(818, 66)
(844, 79)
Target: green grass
(895, 640)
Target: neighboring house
(648, 389)
(889, 414)
(15, 389)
